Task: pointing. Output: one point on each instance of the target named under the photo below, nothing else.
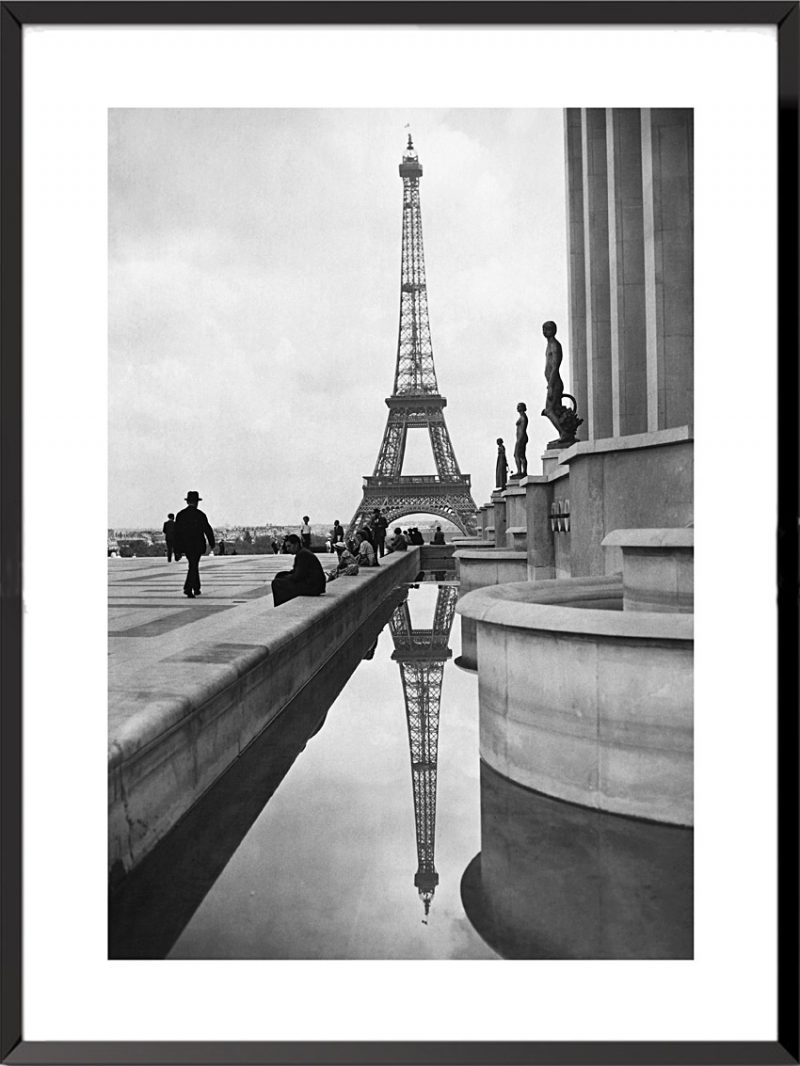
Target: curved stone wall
(476, 568)
(591, 705)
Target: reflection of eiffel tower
(422, 654)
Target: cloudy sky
(254, 270)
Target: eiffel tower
(422, 654)
(416, 402)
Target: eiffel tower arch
(416, 402)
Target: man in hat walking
(192, 530)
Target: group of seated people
(365, 549)
(400, 541)
(307, 577)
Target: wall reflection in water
(557, 881)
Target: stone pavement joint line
(169, 622)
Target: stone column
(626, 271)
(499, 519)
(576, 267)
(598, 311)
(541, 555)
(668, 217)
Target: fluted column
(598, 311)
(667, 183)
(626, 271)
(576, 267)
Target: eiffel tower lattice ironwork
(422, 654)
(416, 402)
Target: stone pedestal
(550, 461)
(486, 521)
(500, 523)
(516, 522)
(539, 536)
(657, 568)
(642, 481)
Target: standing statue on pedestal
(565, 419)
(521, 444)
(501, 469)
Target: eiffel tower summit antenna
(416, 402)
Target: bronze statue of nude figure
(565, 419)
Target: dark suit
(192, 530)
(169, 535)
(378, 529)
(306, 578)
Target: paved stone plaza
(151, 622)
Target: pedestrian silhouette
(168, 530)
(192, 530)
(305, 532)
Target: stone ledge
(650, 538)
(550, 606)
(658, 438)
(492, 555)
(555, 474)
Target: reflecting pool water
(345, 830)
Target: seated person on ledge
(366, 551)
(306, 578)
(347, 561)
(397, 543)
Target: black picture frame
(14, 18)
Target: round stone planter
(585, 702)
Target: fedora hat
(192, 495)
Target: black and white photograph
(403, 368)
(385, 708)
